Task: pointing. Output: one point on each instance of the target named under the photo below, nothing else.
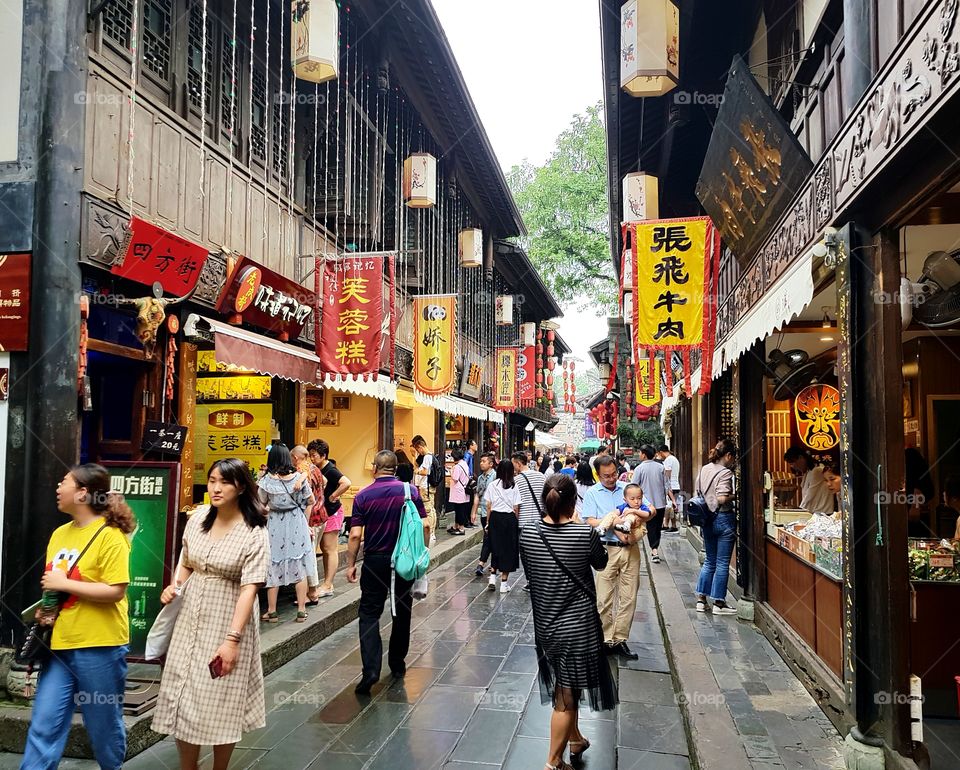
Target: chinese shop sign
(434, 329)
(231, 430)
(675, 285)
(816, 410)
(150, 490)
(254, 388)
(753, 166)
(647, 387)
(266, 299)
(526, 375)
(207, 364)
(14, 301)
(151, 254)
(350, 341)
(162, 437)
(505, 395)
(471, 380)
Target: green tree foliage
(564, 206)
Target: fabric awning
(548, 441)
(256, 352)
(495, 416)
(454, 405)
(782, 302)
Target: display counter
(809, 599)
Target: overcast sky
(530, 65)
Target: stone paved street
(470, 698)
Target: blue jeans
(718, 541)
(92, 678)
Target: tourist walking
(584, 481)
(503, 503)
(558, 554)
(335, 484)
(86, 575)
(316, 517)
(716, 483)
(287, 497)
(211, 692)
(459, 496)
(530, 483)
(424, 465)
(649, 475)
(671, 473)
(618, 583)
(376, 519)
(480, 505)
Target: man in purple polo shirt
(376, 519)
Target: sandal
(582, 746)
(562, 766)
(301, 617)
(270, 617)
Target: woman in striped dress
(557, 556)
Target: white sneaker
(701, 606)
(724, 609)
(504, 587)
(433, 540)
(492, 583)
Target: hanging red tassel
(668, 365)
(686, 371)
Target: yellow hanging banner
(645, 396)
(672, 274)
(505, 395)
(434, 334)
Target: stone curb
(279, 646)
(713, 741)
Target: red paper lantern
(550, 380)
(550, 335)
(539, 377)
(539, 349)
(549, 348)
(551, 363)
(539, 392)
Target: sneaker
(504, 587)
(527, 588)
(655, 559)
(722, 608)
(623, 651)
(478, 571)
(433, 540)
(492, 583)
(701, 605)
(459, 532)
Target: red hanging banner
(351, 338)
(151, 254)
(526, 375)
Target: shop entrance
(113, 427)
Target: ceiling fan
(791, 372)
(934, 299)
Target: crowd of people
(573, 522)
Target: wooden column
(876, 581)
(751, 558)
(186, 415)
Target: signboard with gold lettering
(255, 388)
(267, 299)
(505, 392)
(753, 167)
(434, 337)
(675, 285)
(471, 380)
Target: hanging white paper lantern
(628, 307)
(505, 309)
(641, 197)
(470, 246)
(315, 40)
(528, 334)
(420, 180)
(649, 47)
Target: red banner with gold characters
(675, 289)
(434, 335)
(505, 392)
(351, 337)
(526, 376)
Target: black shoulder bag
(698, 512)
(35, 648)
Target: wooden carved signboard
(753, 166)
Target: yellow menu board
(231, 430)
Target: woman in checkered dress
(226, 555)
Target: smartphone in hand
(216, 667)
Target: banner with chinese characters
(434, 337)
(152, 254)
(526, 376)
(151, 491)
(231, 430)
(675, 289)
(471, 379)
(273, 302)
(351, 337)
(647, 388)
(505, 395)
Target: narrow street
(470, 698)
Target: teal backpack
(410, 558)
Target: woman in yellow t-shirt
(88, 667)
